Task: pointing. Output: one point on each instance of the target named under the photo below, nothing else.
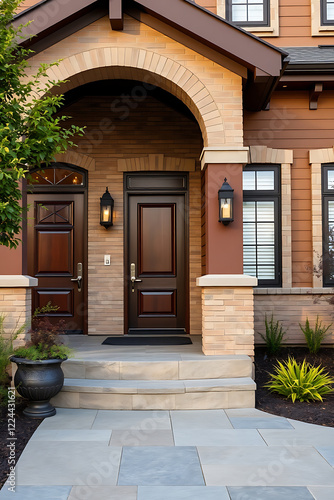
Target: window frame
(266, 15)
(36, 187)
(273, 195)
(323, 14)
(327, 195)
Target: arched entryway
(136, 128)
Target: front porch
(153, 377)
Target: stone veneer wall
(227, 320)
(15, 304)
(292, 306)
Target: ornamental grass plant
(6, 350)
(274, 335)
(314, 337)
(300, 381)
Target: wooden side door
(157, 273)
(57, 256)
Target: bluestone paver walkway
(240, 454)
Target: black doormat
(163, 340)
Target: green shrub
(274, 335)
(44, 340)
(40, 352)
(302, 382)
(314, 337)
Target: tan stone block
(106, 401)
(155, 402)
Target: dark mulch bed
(314, 413)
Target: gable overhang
(263, 63)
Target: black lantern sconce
(225, 199)
(106, 209)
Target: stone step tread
(159, 386)
(225, 367)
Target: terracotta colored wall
(223, 243)
(151, 127)
(10, 260)
(291, 125)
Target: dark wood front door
(56, 256)
(157, 295)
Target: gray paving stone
(137, 437)
(199, 419)
(248, 412)
(328, 453)
(36, 493)
(68, 418)
(182, 493)
(96, 492)
(218, 437)
(73, 463)
(260, 423)
(269, 493)
(322, 492)
(165, 466)
(71, 435)
(305, 435)
(264, 466)
(131, 419)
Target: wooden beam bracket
(116, 14)
(314, 95)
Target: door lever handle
(133, 274)
(79, 278)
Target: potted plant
(39, 376)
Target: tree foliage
(30, 131)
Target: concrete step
(184, 369)
(187, 394)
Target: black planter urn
(38, 381)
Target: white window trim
(272, 30)
(284, 157)
(317, 28)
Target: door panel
(56, 245)
(157, 298)
(157, 255)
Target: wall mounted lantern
(225, 199)
(106, 209)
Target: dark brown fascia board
(116, 14)
(48, 15)
(307, 78)
(217, 33)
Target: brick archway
(132, 63)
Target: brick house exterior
(171, 92)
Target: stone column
(15, 301)
(227, 294)
(227, 314)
